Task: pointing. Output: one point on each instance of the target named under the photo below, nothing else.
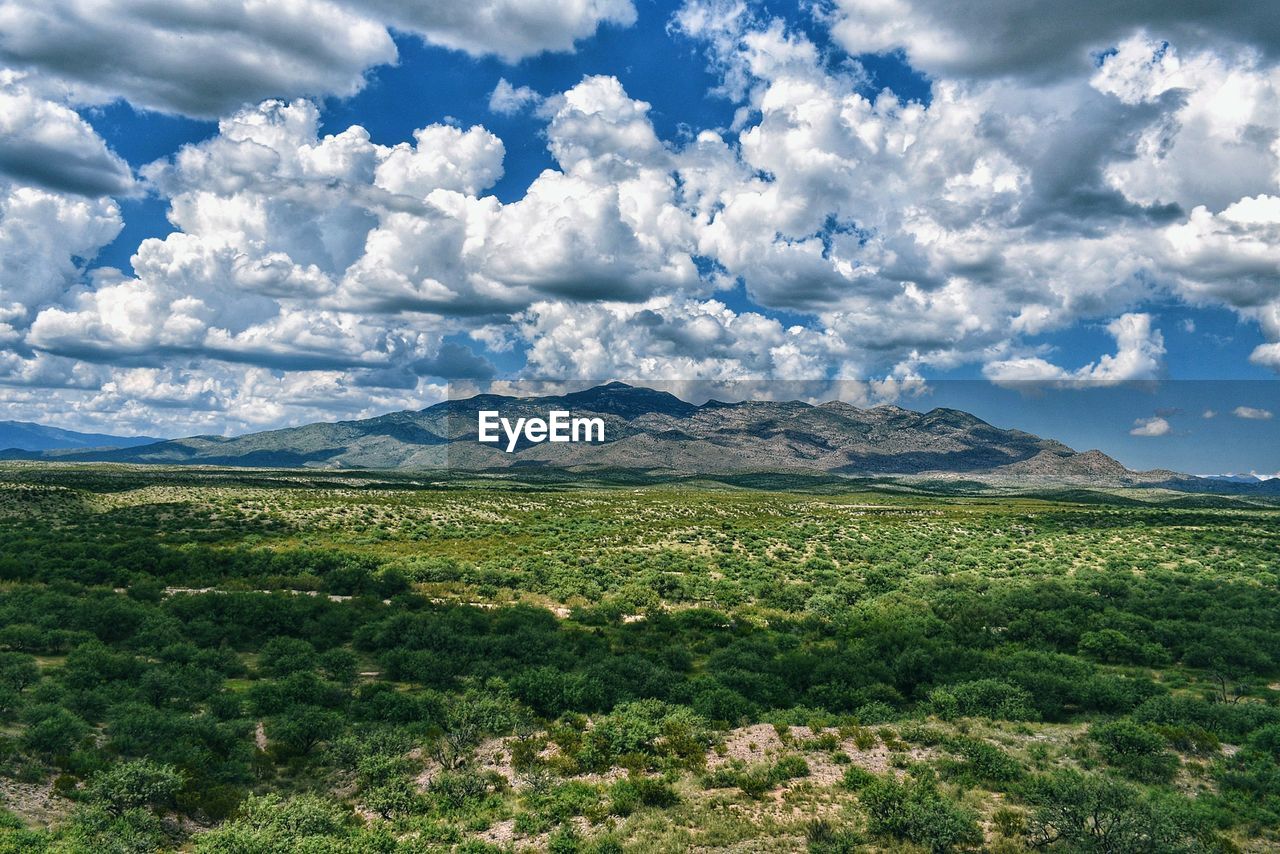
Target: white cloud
(1267, 355)
(1151, 427)
(207, 59)
(301, 252)
(671, 339)
(45, 238)
(1251, 413)
(928, 233)
(511, 29)
(198, 397)
(508, 100)
(1138, 356)
(1036, 191)
(1017, 203)
(1209, 413)
(442, 158)
(1231, 257)
(45, 144)
(1036, 39)
(193, 57)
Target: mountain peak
(655, 431)
(627, 401)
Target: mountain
(1237, 478)
(28, 436)
(656, 432)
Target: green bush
(856, 778)
(630, 793)
(983, 762)
(1094, 813)
(821, 837)
(914, 810)
(990, 698)
(1136, 750)
(133, 784)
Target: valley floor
(233, 661)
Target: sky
(218, 217)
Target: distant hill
(28, 436)
(658, 433)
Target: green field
(233, 661)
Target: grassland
(231, 661)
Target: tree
(1093, 813)
(301, 728)
(394, 797)
(916, 811)
(272, 825)
(1136, 750)
(54, 731)
(18, 671)
(134, 784)
(282, 656)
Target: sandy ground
(761, 743)
(36, 803)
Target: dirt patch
(494, 755)
(756, 743)
(761, 743)
(34, 803)
(504, 835)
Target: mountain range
(658, 433)
(29, 436)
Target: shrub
(821, 837)
(646, 729)
(984, 762)
(133, 784)
(915, 811)
(53, 731)
(856, 778)
(989, 698)
(789, 768)
(455, 791)
(1137, 750)
(1089, 812)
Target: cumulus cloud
(1267, 355)
(1012, 202)
(1138, 356)
(511, 29)
(1131, 164)
(508, 100)
(927, 233)
(187, 398)
(301, 252)
(206, 59)
(1155, 426)
(671, 339)
(55, 176)
(1252, 413)
(166, 58)
(1036, 38)
(48, 145)
(45, 238)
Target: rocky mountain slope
(657, 432)
(29, 436)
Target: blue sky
(1199, 431)
(336, 213)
